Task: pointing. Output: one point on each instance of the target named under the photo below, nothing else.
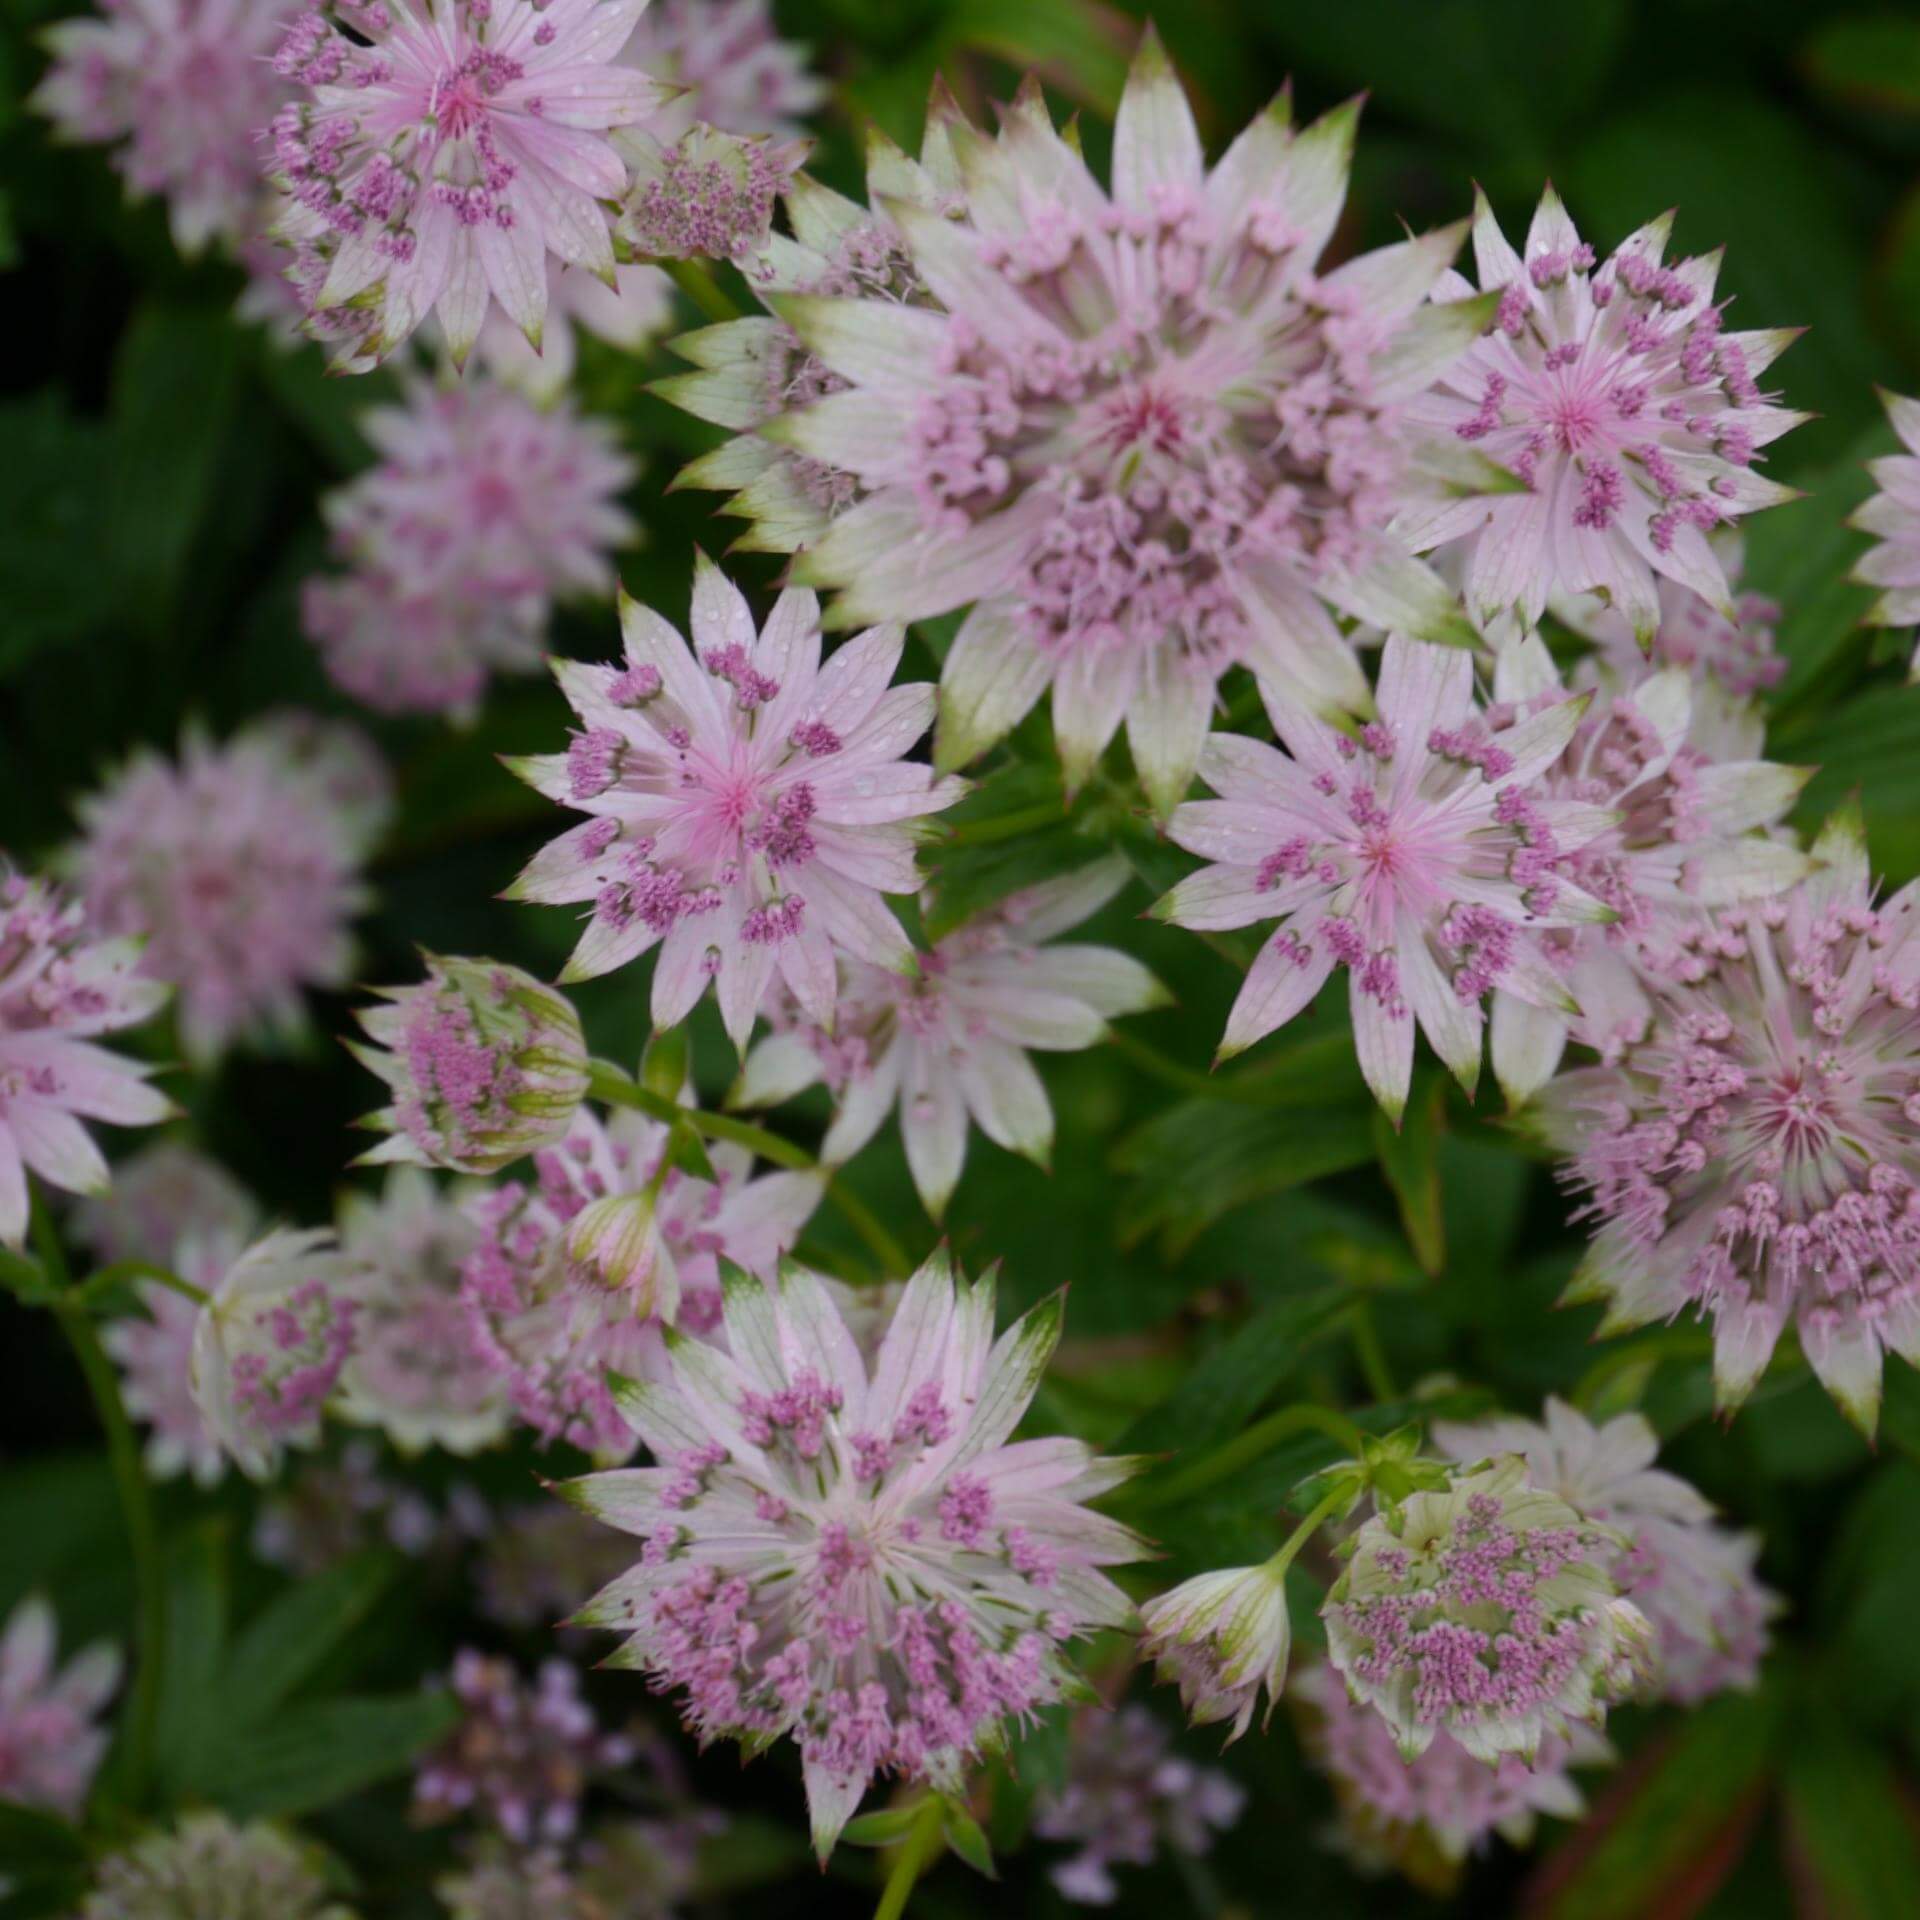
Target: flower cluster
(854, 1554)
(949, 1043)
(207, 1865)
(555, 1325)
(1755, 1155)
(748, 807)
(180, 89)
(1632, 418)
(49, 1745)
(1126, 1795)
(238, 866)
(483, 511)
(61, 987)
(710, 195)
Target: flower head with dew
(1682, 834)
(61, 987)
(748, 807)
(1421, 856)
(950, 1044)
(523, 1754)
(556, 1325)
(1892, 516)
(1691, 1576)
(206, 1865)
(747, 372)
(485, 1064)
(180, 90)
(1126, 1795)
(1222, 1636)
(270, 1345)
(50, 1747)
(1425, 1817)
(1756, 1154)
(483, 510)
(1486, 1611)
(1146, 438)
(1632, 417)
(416, 1371)
(738, 73)
(449, 149)
(241, 873)
(855, 1555)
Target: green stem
(1008, 826)
(1244, 1448)
(1371, 1355)
(608, 1084)
(1298, 1538)
(918, 1852)
(103, 1279)
(701, 288)
(136, 1504)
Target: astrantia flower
(416, 1371)
(636, 309)
(452, 147)
(207, 1865)
(154, 1352)
(522, 1754)
(1756, 1155)
(186, 85)
(1892, 516)
(49, 1745)
(1681, 833)
(1692, 1577)
(749, 806)
(740, 75)
(1397, 1814)
(483, 511)
(1126, 1795)
(485, 1064)
(241, 873)
(270, 1344)
(1633, 419)
(1422, 857)
(1223, 1637)
(1146, 438)
(163, 1194)
(950, 1043)
(1485, 1611)
(60, 988)
(548, 1316)
(852, 1555)
(708, 195)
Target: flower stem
(1298, 1538)
(608, 1084)
(103, 1279)
(917, 1853)
(1246, 1447)
(136, 1502)
(698, 284)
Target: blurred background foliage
(159, 468)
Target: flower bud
(486, 1065)
(1222, 1636)
(618, 1242)
(709, 195)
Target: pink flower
(740, 75)
(635, 310)
(547, 1318)
(1692, 1577)
(50, 1748)
(483, 511)
(181, 89)
(1631, 419)
(415, 1371)
(1681, 833)
(1223, 1637)
(1892, 516)
(162, 1195)
(1755, 1155)
(1423, 857)
(854, 1555)
(60, 988)
(1146, 439)
(707, 195)
(523, 1754)
(748, 807)
(451, 148)
(154, 1352)
(1126, 1795)
(950, 1043)
(239, 866)
(1398, 1814)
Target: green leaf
(326, 409)
(194, 1708)
(312, 1755)
(1079, 46)
(1870, 64)
(1849, 1831)
(35, 1841)
(40, 1896)
(1409, 1156)
(1869, 748)
(882, 1829)
(965, 1837)
(290, 1637)
(51, 581)
(748, 1852)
